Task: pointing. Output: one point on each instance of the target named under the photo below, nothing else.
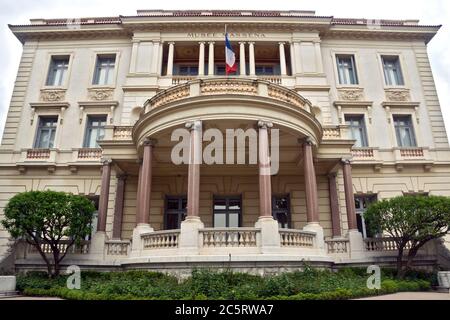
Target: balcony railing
(363, 153)
(383, 244)
(167, 239)
(229, 237)
(117, 248)
(36, 154)
(296, 238)
(273, 79)
(63, 246)
(411, 152)
(181, 79)
(89, 153)
(337, 246)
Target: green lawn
(309, 284)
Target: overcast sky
(428, 11)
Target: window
(220, 70)
(404, 131)
(266, 70)
(57, 70)
(95, 130)
(346, 69)
(227, 212)
(187, 70)
(46, 132)
(392, 71)
(357, 129)
(104, 69)
(361, 205)
(281, 211)
(175, 212)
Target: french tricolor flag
(230, 58)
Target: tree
(49, 217)
(411, 221)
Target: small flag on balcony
(230, 58)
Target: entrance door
(175, 212)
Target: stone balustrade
(229, 237)
(411, 152)
(89, 153)
(272, 79)
(229, 86)
(167, 239)
(117, 248)
(34, 154)
(337, 246)
(296, 238)
(63, 246)
(122, 132)
(382, 244)
(363, 153)
(181, 79)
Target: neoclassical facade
(97, 100)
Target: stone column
(282, 59)
(334, 205)
(312, 199)
(134, 54)
(97, 246)
(265, 188)
(211, 59)
(155, 57)
(170, 58)
(292, 54)
(349, 197)
(118, 208)
(242, 70)
(201, 59)
(318, 54)
(143, 198)
(270, 237)
(312, 202)
(354, 236)
(251, 54)
(189, 230)
(145, 183)
(195, 159)
(104, 195)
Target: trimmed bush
(310, 284)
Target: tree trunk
(400, 271)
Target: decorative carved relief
(53, 95)
(100, 94)
(356, 94)
(397, 95)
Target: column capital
(149, 142)
(282, 43)
(171, 42)
(251, 42)
(211, 42)
(201, 42)
(332, 175)
(346, 161)
(122, 176)
(193, 125)
(264, 124)
(307, 140)
(242, 42)
(106, 161)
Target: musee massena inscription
(250, 35)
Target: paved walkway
(28, 298)
(411, 296)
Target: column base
(136, 244)
(356, 241)
(269, 238)
(189, 242)
(317, 228)
(97, 245)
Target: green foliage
(309, 284)
(49, 217)
(412, 221)
(415, 217)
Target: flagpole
(226, 74)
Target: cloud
(430, 12)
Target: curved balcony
(228, 99)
